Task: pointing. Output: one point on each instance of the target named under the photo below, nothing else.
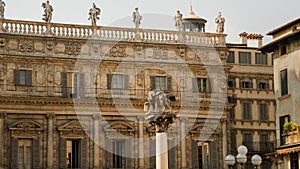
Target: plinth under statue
(160, 115)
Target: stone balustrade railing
(110, 33)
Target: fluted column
(183, 141)
(96, 140)
(141, 143)
(50, 116)
(2, 148)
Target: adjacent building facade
(285, 49)
(251, 92)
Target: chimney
(243, 37)
(259, 39)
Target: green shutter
(214, 160)
(28, 78)
(62, 153)
(126, 81)
(169, 83)
(64, 84)
(81, 85)
(17, 77)
(129, 151)
(194, 146)
(14, 153)
(109, 79)
(84, 153)
(152, 82)
(36, 153)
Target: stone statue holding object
(178, 21)
(220, 23)
(94, 14)
(2, 9)
(48, 9)
(137, 18)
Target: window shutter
(195, 85)
(81, 85)
(152, 151)
(14, 153)
(195, 163)
(152, 82)
(169, 83)
(17, 77)
(64, 84)
(214, 155)
(209, 84)
(28, 78)
(126, 81)
(62, 153)
(171, 154)
(109, 79)
(36, 153)
(128, 152)
(84, 153)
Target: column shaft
(161, 150)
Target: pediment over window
(73, 125)
(25, 125)
(118, 126)
(199, 128)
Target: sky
(252, 16)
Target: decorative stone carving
(118, 51)
(49, 45)
(60, 48)
(140, 78)
(51, 115)
(94, 14)
(2, 70)
(48, 9)
(178, 21)
(41, 78)
(73, 48)
(72, 129)
(25, 125)
(39, 47)
(50, 69)
(3, 115)
(25, 46)
(160, 53)
(220, 23)
(119, 126)
(2, 42)
(2, 9)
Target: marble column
(183, 141)
(141, 143)
(96, 140)
(161, 150)
(50, 146)
(2, 146)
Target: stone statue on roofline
(220, 23)
(136, 18)
(178, 21)
(2, 9)
(48, 9)
(94, 14)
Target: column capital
(3, 115)
(183, 118)
(51, 115)
(96, 116)
(140, 118)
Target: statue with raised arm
(220, 23)
(94, 14)
(137, 18)
(178, 21)
(2, 9)
(48, 9)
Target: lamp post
(241, 158)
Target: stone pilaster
(141, 142)
(224, 138)
(183, 141)
(50, 159)
(96, 140)
(2, 146)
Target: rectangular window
(231, 83)
(247, 112)
(203, 156)
(263, 111)
(73, 153)
(245, 57)
(23, 77)
(233, 141)
(294, 160)
(261, 59)
(264, 142)
(117, 81)
(248, 141)
(25, 153)
(78, 85)
(161, 83)
(201, 85)
(284, 82)
(232, 114)
(263, 86)
(119, 160)
(230, 58)
(282, 120)
(246, 85)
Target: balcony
(110, 33)
(103, 93)
(292, 137)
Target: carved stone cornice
(25, 125)
(97, 116)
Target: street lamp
(241, 158)
(230, 160)
(256, 160)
